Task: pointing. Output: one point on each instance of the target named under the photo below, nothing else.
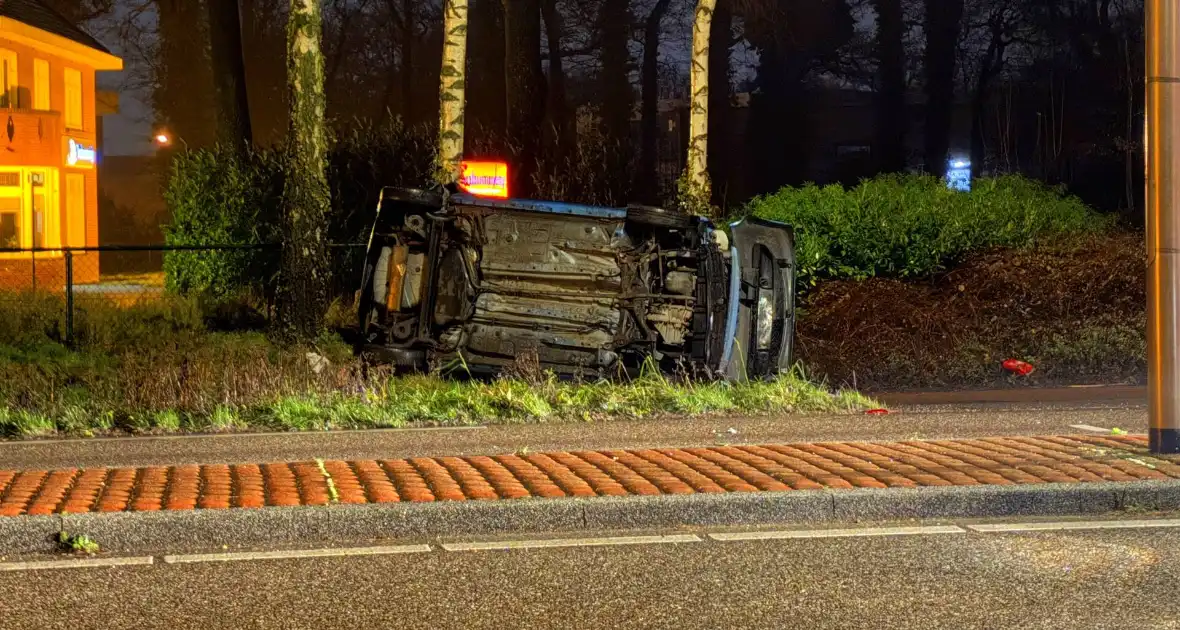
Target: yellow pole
(1163, 223)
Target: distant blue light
(958, 175)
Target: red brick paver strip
(618, 472)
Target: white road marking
(295, 554)
(75, 563)
(993, 528)
(840, 533)
(1086, 427)
(571, 542)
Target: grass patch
(159, 368)
(429, 400)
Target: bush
(909, 226)
(218, 196)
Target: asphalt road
(906, 423)
(1091, 579)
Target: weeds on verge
(77, 543)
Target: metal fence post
(33, 257)
(69, 298)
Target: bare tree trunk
(889, 150)
(452, 91)
(523, 85)
(943, 19)
(183, 95)
(229, 73)
(409, 112)
(695, 191)
(650, 111)
(1130, 150)
(488, 115)
(303, 290)
(720, 109)
(615, 27)
(563, 129)
(993, 61)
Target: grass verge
(429, 400)
(157, 368)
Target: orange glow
(484, 179)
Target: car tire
(415, 196)
(658, 217)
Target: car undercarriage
(584, 290)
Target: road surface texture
(985, 419)
(1110, 578)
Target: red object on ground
(877, 412)
(1016, 366)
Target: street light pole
(1162, 146)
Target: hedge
(911, 226)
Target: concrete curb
(1016, 395)
(133, 531)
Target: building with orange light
(49, 142)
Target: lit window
(75, 210)
(41, 85)
(29, 209)
(10, 209)
(73, 98)
(10, 97)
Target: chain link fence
(55, 290)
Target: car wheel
(658, 217)
(415, 196)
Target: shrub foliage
(219, 196)
(912, 226)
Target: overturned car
(592, 291)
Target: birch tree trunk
(452, 91)
(303, 289)
(694, 189)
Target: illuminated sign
(484, 179)
(80, 155)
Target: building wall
(39, 139)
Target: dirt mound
(1075, 311)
